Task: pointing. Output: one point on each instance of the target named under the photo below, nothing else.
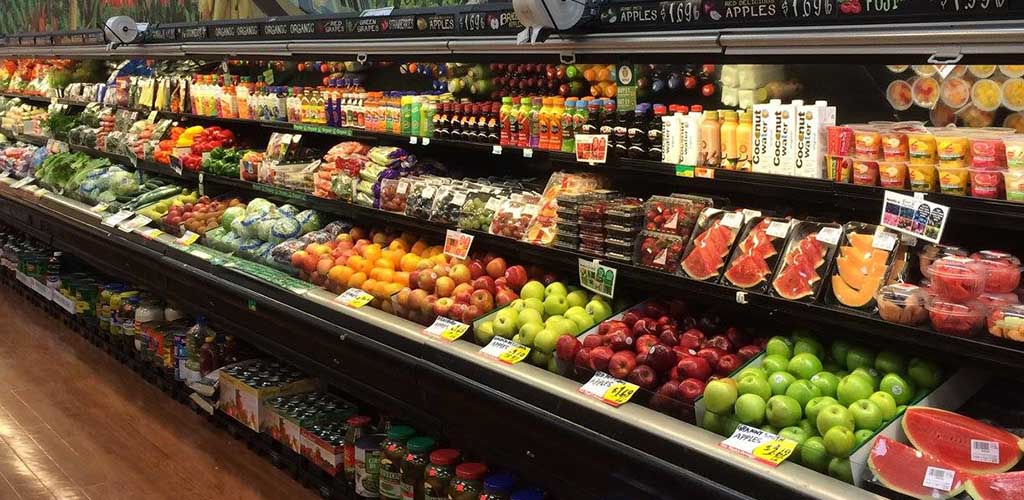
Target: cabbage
(237, 228)
(124, 183)
(258, 205)
(231, 214)
(247, 248)
(309, 219)
(288, 209)
(264, 226)
(284, 228)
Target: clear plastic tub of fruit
(955, 92)
(986, 95)
(1002, 270)
(986, 183)
(957, 279)
(1014, 121)
(867, 142)
(865, 172)
(952, 147)
(1013, 146)
(899, 94)
(921, 147)
(619, 245)
(479, 209)
(924, 69)
(892, 174)
(592, 212)
(933, 252)
(591, 229)
(926, 92)
(659, 251)
(627, 212)
(1013, 94)
(902, 303)
(674, 215)
(1007, 322)
(997, 299)
(567, 241)
(1012, 70)
(448, 205)
(393, 194)
(1014, 182)
(515, 215)
(895, 146)
(971, 116)
(923, 177)
(982, 70)
(621, 232)
(953, 180)
(987, 150)
(954, 318)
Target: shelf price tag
(527, 152)
(684, 171)
(457, 243)
(39, 193)
(505, 350)
(426, 141)
(704, 172)
(762, 446)
(24, 181)
(597, 278)
(187, 239)
(496, 150)
(884, 240)
(914, 216)
(414, 140)
(64, 302)
(609, 389)
(829, 235)
(152, 234)
(778, 228)
(137, 222)
(592, 148)
(100, 207)
(354, 297)
(117, 218)
(446, 328)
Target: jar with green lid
(438, 475)
(358, 426)
(391, 455)
(368, 466)
(468, 482)
(414, 465)
(115, 306)
(498, 486)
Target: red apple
(682, 352)
(728, 364)
(427, 280)
(427, 306)
(476, 269)
(720, 342)
(488, 257)
(667, 321)
(694, 367)
(500, 283)
(690, 389)
(614, 326)
(748, 352)
(737, 336)
(655, 309)
(483, 300)
(669, 337)
(621, 364)
(471, 313)
(566, 347)
(458, 310)
(666, 398)
(643, 376)
(600, 357)
(645, 326)
(661, 358)
(582, 359)
(505, 296)
(496, 267)
(484, 283)
(630, 317)
(619, 341)
(691, 339)
(644, 343)
(712, 355)
(673, 374)
(443, 305)
(516, 277)
(592, 341)
(460, 273)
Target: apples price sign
(592, 148)
(609, 389)
(457, 243)
(354, 297)
(597, 278)
(446, 328)
(505, 350)
(765, 447)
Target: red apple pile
(649, 346)
(198, 217)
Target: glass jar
(391, 456)
(438, 475)
(498, 486)
(367, 465)
(358, 426)
(468, 482)
(414, 466)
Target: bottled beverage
(606, 120)
(619, 138)
(710, 137)
(744, 141)
(53, 271)
(523, 137)
(405, 126)
(654, 133)
(636, 132)
(429, 112)
(470, 114)
(493, 128)
(536, 104)
(544, 122)
(728, 139)
(592, 123)
(503, 113)
(513, 121)
(580, 120)
(415, 116)
(194, 343)
(567, 140)
(555, 124)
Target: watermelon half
(947, 436)
(1007, 486)
(902, 468)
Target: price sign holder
(765, 447)
(505, 350)
(100, 207)
(446, 328)
(24, 181)
(914, 216)
(137, 222)
(64, 302)
(354, 298)
(608, 389)
(597, 278)
(117, 218)
(187, 238)
(457, 244)
(592, 148)
(175, 163)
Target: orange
(356, 280)
(375, 273)
(402, 278)
(408, 262)
(355, 262)
(340, 274)
(408, 238)
(380, 238)
(357, 233)
(393, 288)
(371, 252)
(385, 274)
(435, 250)
(369, 285)
(385, 263)
(367, 266)
(419, 247)
(398, 244)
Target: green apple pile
(542, 314)
(830, 401)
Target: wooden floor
(74, 423)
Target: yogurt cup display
(986, 95)
(955, 92)
(982, 70)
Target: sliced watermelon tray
(712, 242)
(753, 260)
(808, 254)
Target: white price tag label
(354, 297)
(528, 153)
(762, 446)
(984, 451)
(496, 150)
(152, 234)
(403, 187)
(426, 141)
(750, 214)
(65, 303)
(733, 220)
(830, 235)
(884, 240)
(608, 389)
(505, 350)
(938, 478)
(414, 140)
(458, 199)
(778, 228)
(5, 174)
(23, 182)
(493, 204)
(137, 222)
(117, 218)
(100, 207)
(446, 328)
(597, 278)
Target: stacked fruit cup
(953, 305)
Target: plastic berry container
(659, 251)
(621, 232)
(619, 246)
(902, 303)
(958, 279)
(592, 212)
(674, 214)
(1007, 322)
(953, 318)
(394, 194)
(933, 252)
(1002, 270)
(625, 211)
(991, 299)
(986, 183)
(619, 256)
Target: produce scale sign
(762, 446)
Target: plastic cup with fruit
(925, 91)
(900, 95)
(892, 174)
(955, 92)
(957, 279)
(933, 252)
(982, 70)
(986, 183)
(867, 142)
(1013, 94)
(954, 318)
(924, 177)
(1012, 70)
(1007, 322)
(986, 95)
(902, 303)
(1014, 182)
(1002, 270)
(865, 172)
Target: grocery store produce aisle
(74, 423)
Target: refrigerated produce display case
(722, 249)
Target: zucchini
(152, 197)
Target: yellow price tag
(354, 297)
(187, 239)
(152, 234)
(775, 451)
(446, 328)
(454, 332)
(620, 392)
(514, 354)
(40, 192)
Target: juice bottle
(405, 125)
(579, 120)
(744, 141)
(654, 133)
(441, 120)
(513, 121)
(469, 122)
(319, 107)
(555, 124)
(710, 140)
(455, 128)
(503, 114)
(567, 139)
(415, 116)
(543, 121)
(427, 121)
(523, 137)
(636, 133)
(606, 120)
(621, 120)
(593, 122)
(493, 128)
(729, 151)
(536, 104)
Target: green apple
(859, 357)
(715, 422)
(839, 441)
(815, 405)
(575, 310)
(839, 468)
(528, 333)
(769, 428)
(720, 396)
(841, 373)
(535, 304)
(783, 411)
(774, 363)
(529, 315)
(886, 403)
(538, 358)
(577, 298)
(517, 339)
(484, 332)
(803, 391)
(506, 323)
(839, 350)
(751, 383)
(900, 409)
(924, 373)
(553, 365)
(862, 436)
(556, 288)
(808, 427)
(813, 454)
(890, 362)
(555, 305)
(517, 305)
(752, 370)
(750, 409)
(853, 387)
(532, 290)
(599, 310)
(779, 382)
(804, 365)
(834, 416)
(826, 383)
(795, 433)
(808, 345)
(583, 320)
(779, 346)
(545, 341)
(729, 425)
(871, 375)
(898, 387)
(561, 325)
(866, 415)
